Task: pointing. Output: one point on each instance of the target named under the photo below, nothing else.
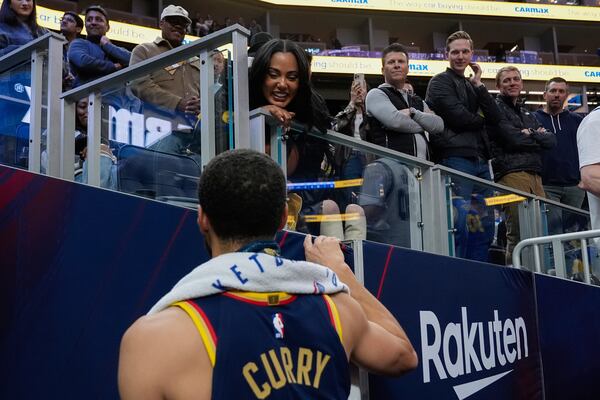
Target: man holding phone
(465, 105)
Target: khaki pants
(526, 182)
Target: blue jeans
(475, 167)
(473, 220)
(353, 169)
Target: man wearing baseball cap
(174, 89)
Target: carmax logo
(592, 74)
(506, 343)
(418, 67)
(351, 1)
(532, 10)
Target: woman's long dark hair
(8, 16)
(307, 112)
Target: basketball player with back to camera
(248, 324)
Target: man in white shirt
(588, 145)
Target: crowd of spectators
(459, 124)
(203, 25)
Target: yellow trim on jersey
(336, 316)
(270, 298)
(203, 329)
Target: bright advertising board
(462, 7)
(428, 68)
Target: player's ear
(203, 221)
(284, 218)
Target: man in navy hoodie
(560, 164)
(95, 56)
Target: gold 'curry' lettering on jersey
(281, 369)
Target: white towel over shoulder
(252, 272)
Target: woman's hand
(281, 114)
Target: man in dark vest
(399, 120)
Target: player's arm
(140, 367)
(162, 357)
(590, 179)
(381, 345)
(371, 346)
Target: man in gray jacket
(399, 120)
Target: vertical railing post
(67, 139)
(93, 138)
(585, 259)
(258, 131)
(54, 89)
(241, 104)
(362, 384)
(35, 110)
(207, 107)
(434, 212)
(415, 209)
(278, 146)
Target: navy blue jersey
(272, 345)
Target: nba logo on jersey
(278, 325)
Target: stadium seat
(157, 175)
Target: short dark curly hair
(243, 193)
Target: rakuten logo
(455, 352)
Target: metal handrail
(509, 189)
(345, 140)
(142, 69)
(24, 52)
(428, 171)
(556, 241)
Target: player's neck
(223, 247)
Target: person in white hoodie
(588, 143)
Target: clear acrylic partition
(15, 102)
(150, 139)
(557, 220)
(151, 142)
(348, 193)
(477, 216)
(44, 115)
(223, 99)
(157, 122)
(25, 84)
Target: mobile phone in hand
(360, 78)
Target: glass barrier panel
(44, 115)
(573, 261)
(145, 149)
(483, 220)
(344, 192)
(223, 100)
(15, 97)
(594, 260)
(557, 220)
